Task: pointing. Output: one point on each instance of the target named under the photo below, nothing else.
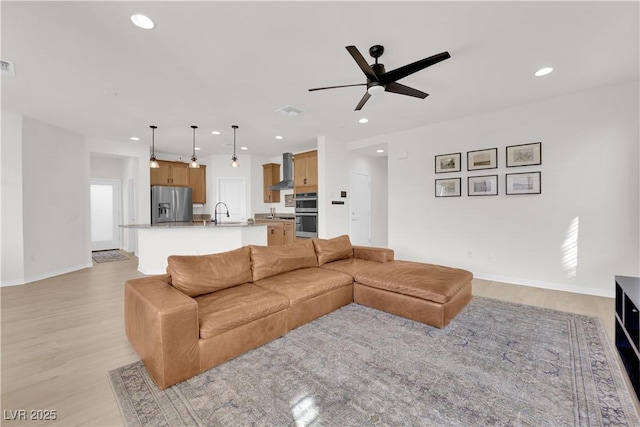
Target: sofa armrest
(162, 326)
(373, 254)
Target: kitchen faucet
(215, 212)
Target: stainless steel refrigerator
(171, 204)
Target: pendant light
(234, 159)
(153, 163)
(194, 160)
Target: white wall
(12, 241)
(333, 177)
(590, 163)
(106, 167)
(55, 176)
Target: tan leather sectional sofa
(208, 309)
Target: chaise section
(427, 293)
(162, 326)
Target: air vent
(8, 68)
(289, 111)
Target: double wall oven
(307, 215)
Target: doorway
(105, 214)
(360, 208)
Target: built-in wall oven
(307, 215)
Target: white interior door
(233, 192)
(105, 214)
(360, 207)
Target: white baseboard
(549, 285)
(43, 276)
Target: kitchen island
(156, 242)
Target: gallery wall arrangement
(520, 155)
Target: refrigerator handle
(176, 203)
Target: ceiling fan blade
(364, 99)
(335, 87)
(402, 72)
(405, 90)
(362, 63)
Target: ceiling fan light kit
(379, 80)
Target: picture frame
(523, 183)
(446, 163)
(524, 154)
(482, 159)
(486, 185)
(290, 200)
(449, 187)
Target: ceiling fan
(379, 80)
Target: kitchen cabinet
(198, 182)
(270, 176)
(289, 232)
(275, 233)
(174, 174)
(305, 172)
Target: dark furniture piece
(628, 326)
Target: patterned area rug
(109, 256)
(496, 363)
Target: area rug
(496, 363)
(109, 256)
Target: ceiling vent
(289, 111)
(8, 68)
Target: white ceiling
(83, 66)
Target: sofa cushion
(271, 260)
(301, 285)
(429, 282)
(230, 308)
(329, 250)
(350, 266)
(197, 275)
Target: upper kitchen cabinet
(305, 166)
(174, 174)
(198, 182)
(270, 176)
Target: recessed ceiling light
(379, 151)
(197, 148)
(215, 132)
(279, 137)
(142, 21)
(363, 120)
(134, 138)
(244, 148)
(543, 71)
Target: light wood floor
(61, 336)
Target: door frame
(116, 184)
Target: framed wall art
(448, 163)
(482, 159)
(448, 187)
(524, 154)
(523, 183)
(482, 185)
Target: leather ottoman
(426, 293)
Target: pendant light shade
(153, 163)
(234, 158)
(194, 160)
